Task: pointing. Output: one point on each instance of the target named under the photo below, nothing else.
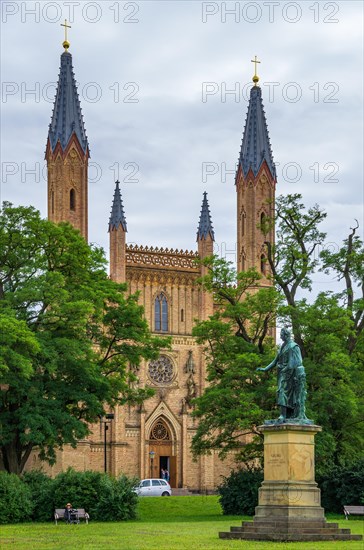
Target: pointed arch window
(72, 199)
(52, 201)
(243, 216)
(263, 221)
(161, 313)
(263, 264)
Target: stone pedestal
(289, 506)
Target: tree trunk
(15, 457)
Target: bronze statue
(291, 392)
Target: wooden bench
(81, 514)
(354, 511)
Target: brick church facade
(166, 281)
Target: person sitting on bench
(70, 515)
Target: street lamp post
(152, 455)
(105, 420)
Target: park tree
(237, 339)
(70, 338)
(328, 329)
(295, 254)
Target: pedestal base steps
(280, 527)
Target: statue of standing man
(291, 392)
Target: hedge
(34, 496)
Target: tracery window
(160, 432)
(161, 370)
(161, 313)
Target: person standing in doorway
(163, 473)
(166, 475)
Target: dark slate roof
(117, 216)
(255, 146)
(205, 225)
(67, 116)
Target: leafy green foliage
(35, 496)
(81, 489)
(236, 341)
(342, 486)
(15, 499)
(293, 258)
(239, 492)
(41, 491)
(117, 500)
(69, 336)
(329, 331)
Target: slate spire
(255, 146)
(117, 215)
(67, 117)
(205, 225)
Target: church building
(142, 440)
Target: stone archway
(162, 444)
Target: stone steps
(298, 536)
(292, 530)
(253, 529)
(273, 524)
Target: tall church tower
(255, 186)
(67, 152)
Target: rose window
(159, 431)
(161, 370)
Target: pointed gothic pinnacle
(205, 225)
(117, 215)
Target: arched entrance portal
(161, 443)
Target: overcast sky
(152, 78)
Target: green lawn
(163, 523)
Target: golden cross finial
(255, 77)
(65, 44)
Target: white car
(153, 488)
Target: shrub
(82, 489)
(41, 491)
(15, 499)
(239, 492)
(342, 485)
(117, 500)
(34, 496)
(104, 497)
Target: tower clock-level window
(72, 199)
(161, 313)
